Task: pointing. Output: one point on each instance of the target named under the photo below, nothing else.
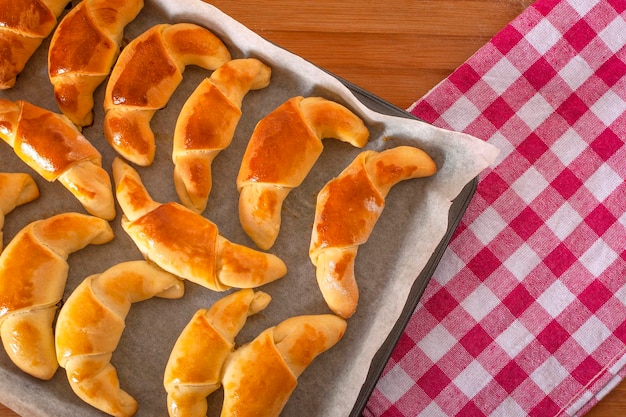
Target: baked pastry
(24, 25)
(282, 150)
(16, 189)
(207, 123)
(33, 273)
(260, 376)
(347, 209)
(83, 50)
(146, 74)
(51, 145)
(194, 367)
(187, 244)
(91, 323)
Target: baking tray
(153, 325)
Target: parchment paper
(410, 228)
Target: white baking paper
(410, 228)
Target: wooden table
(397, 50)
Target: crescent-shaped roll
(146, 74)
(194, 367)
(187, 244)
(282, 150)
(16, 189)
(51, 145)
(24, 24)
(91, 323)
(260, 376)
(33, 274)
(347, 209)
(207, 123)
(83, 50)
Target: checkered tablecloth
(526, 313)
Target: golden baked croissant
(16, 189)
(347, 209)
(282, 150)
(260, 376)
(207, 123)
(24, 24)
(187, 244)
(146, 74)
(91, 323)
(51, 145)
(33, 274)
(83, 50)
(194, 367)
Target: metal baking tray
(153, 325)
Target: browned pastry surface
(33, 273)
(91, 323)
(51, 145)
(83, 50)
(281, 152)
(347, 209)
(24, 24)
(195, 364)
(260, 376)
(207, 123)
(146, 74)
(186, 243)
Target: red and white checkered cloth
(526, 313)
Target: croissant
(146, 74)
(15, 189)
(91, 323)
(24, 25)
(33, 273)
(83, 50)
(282, 150)
(347, 209)
(51, 145)
(260, 377)
(187, 244)
(194, 367)
(207, 123)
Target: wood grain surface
(397, 50)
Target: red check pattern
(526, 313)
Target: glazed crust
(187, 244)
(83, 50)
(51, 145)
(91, 323)
(347, 210)
(206, 126)
(281, 152)
(260, 376)
(195, 364)
(24, 25)
(146, 74)
(33, 273)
